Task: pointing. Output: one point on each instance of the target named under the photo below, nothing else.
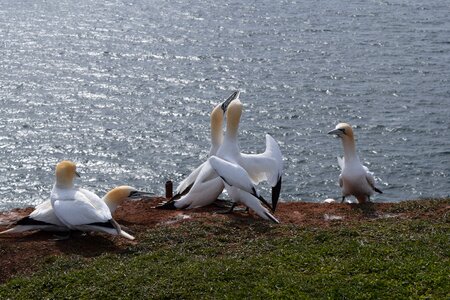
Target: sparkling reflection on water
(125, 90)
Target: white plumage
(240, 187)
(249, 169)
(355, 179)
(266, 166)
(80, 209)
(44, 218)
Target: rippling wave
(125, 90)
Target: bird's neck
(229, 148)
(216, 126)
(111, 205)
(64, 184)
(230, 138)
(216, 133)
(233, 119)
(349, 150)
(232, 131)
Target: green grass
(377, 259)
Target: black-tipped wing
(276, 190)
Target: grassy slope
(378, 258)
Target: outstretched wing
(266, 166)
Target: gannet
(44, 218)
(79, 209)
(355, 179)
(216, 121)
(240, 187)
(266, 166)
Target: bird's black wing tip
(31, 221)
(264, 201)
(276, 190)
(377, 190)
(272, 218)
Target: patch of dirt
(22, 253)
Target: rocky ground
(22, 253)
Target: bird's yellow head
(343, 130)
(66, 171)
(118, 195)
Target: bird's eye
(342, 130)
(133, 193)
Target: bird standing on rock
(355, 179)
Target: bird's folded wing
(232, 174)
(44, 212)
(93, 198)
(80, 210)
(371, 180)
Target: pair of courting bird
(228, 168)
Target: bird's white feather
(341, 162)
(207, 187)
(267, 166)
(247, 199)
(232, 174)
(75, 207)
(112, 231)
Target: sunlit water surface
(125, 88)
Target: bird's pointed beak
(227, 102)
(139, 195)
(335, 132)
(77, 174)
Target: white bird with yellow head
(355, 179)
(44, 218)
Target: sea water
(125, 89)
